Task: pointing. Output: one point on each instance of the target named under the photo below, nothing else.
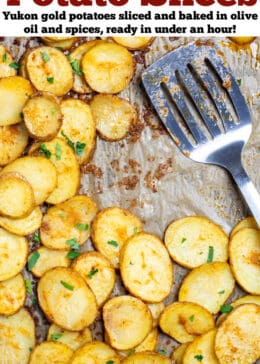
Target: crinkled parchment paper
(147, 174)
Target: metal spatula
(199, 101)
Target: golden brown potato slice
(7, 64)
(95, 352)
(248, 222)
(156, 310)
(42, 116)
(16, 197)
(49, 70)
(108, 67)
(113, 115)
(24, 225)
(98, 273)
(127, 321)
(146, 268)
(62, 43)
(68, 223)
(111, 228)
(17, 337)
(209, 285)
(238, 337)
(13, 140)
(12, 295)
(51, 352)
(134, 43)
(147, 358)
(149, 344)
(183, 321)
(23, 69)
(191, 240)
(66, 300)
(244, 251)
(79, 127)
(43, 259)
(13, 254)
(177, 355)
(39, 172)
(73, 339)
(14, 92)
(242, 40)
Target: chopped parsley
(162, 352)
(113, 243)
(28, 285)
(73, 254)
(53, 110)
(33, 259)
(199, 357)
(21, 115)
(67, 285)
(34, 302)
(73, 244)
(44, 151)
(183, 240)
(92, 273)
(45, 57)
(75, 67)
(136, 230)
(239, 82)
(36, 237)
(221, 292)
(191, 318)
(226, 308)
(58, 152)
(14, 65)
(131, 352)
(131, 263)
(4, 57)
(82, 227)
(77, 147)
(56, 337)
(210, 254)
(50, 79)
(30, 349)
(110, 362)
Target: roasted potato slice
(12, 295)
(242, 40)
(79, 127)
(108, 67)
(42, 116)
(134, 43)
(178, 353)
(46, 259)
(50, 352)
(66, 300)
(39, 172)
(156, 310)
(113, 115)
(49, 70)
(62, 43)
(17, 337)
(98, 273)
(24, 225)
(16, 197)
(244, 251)
(147, 358)
(248, 222)
(183, 321)
(22, 63)
(209, 285)
(149, 344)
(238, 337)
(111, 228)
(13, 141)
(144, 265)
(127, 321)
(13, 254)
(6, 63)
(189, 239)
(14, 92)
(68, 222)
(95, 352)
(73, 339)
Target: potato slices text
(66, 300)
(108, 67)
(127, 322)
(95, 352)
(244, 250)
(190, 239)
(73, 339)
(183, 321)
(7, 65)
(238, 337)
(209, 285)
(134, 43)
(12, 295)
(51, 352)
(147, 358)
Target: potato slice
(189, 239)
(17, 337)
(242, 40)
(6, 62)
(39, 172)
(13, 140)
(16, 197)
(238, 337)
(95, 352)
(42, 116)
(49, 70)
(244, 250)
(127, 321)
(24, 225)
(108, 67)
(50, 352)
(156, 310)
(23, 69)
(209, 285)
(146, 268)
(113, 115)
(14, 92)
(13, 254)
(66, 300)
(147, 358)
(98, 273)
(73, 339)
(12, 295)
(62, 43)
(149, 344)
(47, 259)
(183, 321)
(68, 222)
(111, 228)
(248, 222)
(201, 350)
(78, 125)
(134, 43)
(178, 353)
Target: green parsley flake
(110, 362)
(131, 352)
(136, 230)
(79, 149)
(4, 57)
(21, 115)
(131, 263)
(33, 259)
(36, 237)
(73, 254)
(191, 318)
(14, 65)
(92, 273)
(56, 337)
(58, 152)
(67, 285)
(68, 140)
(226, 308)
(82, 227)
(199, 357)
(45, 57)
(73, 244)
(69, 57)
(239, 81)
(53, 110)
(34, 302)
(162, 352)
(210, 254)
(50, 79)
(30, 349)
(183, 240)
(221, 292)
(44, 151)
(76, 68)
(113, 243)
(28, 285)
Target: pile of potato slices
(45, 135)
